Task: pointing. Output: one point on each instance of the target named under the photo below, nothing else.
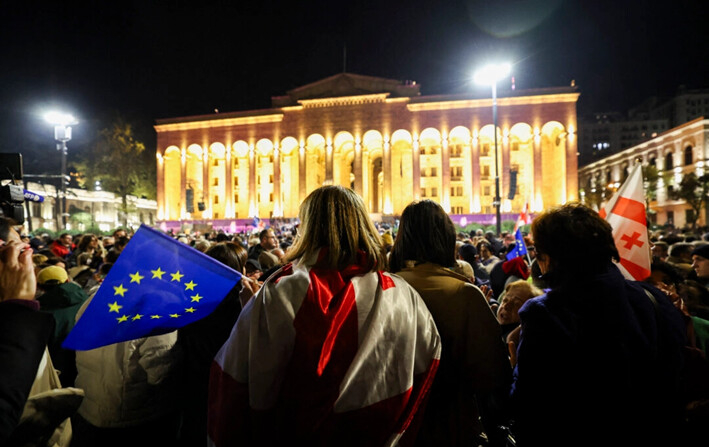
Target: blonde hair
(527, 289)
(335, 218)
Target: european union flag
(157, 285)
(520, 247)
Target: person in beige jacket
(468, 396)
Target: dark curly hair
(576, 240)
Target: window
(216, 200)
(514, 147)
(486, 190)
(688, 156)
(216, 162)
(668, 162)
(236, 198)
(485, 150)
(216, 181)
(434, 192)
(423, 192)
(434, 172)
(486, 172)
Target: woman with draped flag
(332, 350)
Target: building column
(475, 205)
(253, 201)
(445, 175)
(302, 185)
(277, 203)
(230, 206)
(416, 168)
(505, 173)
(387, 202)
(359, 183)
(328, 163)
(572, 175)
(538, 196)
(183, 184)
(163, 213)
(206, 187)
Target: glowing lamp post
(62, 123)
(490, 75)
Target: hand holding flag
(157, 285)
(520, 247)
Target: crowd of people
(347, 332)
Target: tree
(695, 192)
(121, 164)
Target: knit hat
(468, 253)
(52, 275)
(702, 250)
(517, 267)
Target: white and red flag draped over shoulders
(626, 213)
(322, 357)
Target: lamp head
(492, 73)
(60, 119)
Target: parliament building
(380, 137)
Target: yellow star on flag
(114, 307)
(137, 317)
(120, 290)
(174, 315)
(155, 317)
(136, 277)
(190, 309)
(176, 276)
(122, 318)
(190, 285)
(157, 273)
(196, 298)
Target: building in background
(673, 153)
(86, 209)
(605, 133)
(377, 136)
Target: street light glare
(59, 118)
(492, 73)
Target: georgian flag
(322, 357)
(625, 211)
(524, 217)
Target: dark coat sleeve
(23, 337)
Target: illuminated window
(216, 200)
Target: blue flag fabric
(157, 285)
(520, 247)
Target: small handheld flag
(626, 213)
(520, 247)
(157, 285)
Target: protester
(130, 392)
(599, 357)
(474, 371)
(62, 246)
(267, 241)
(514, 296)
(700, 264)
(62, 299)
(487, 258)
(200, 341)
(331, 351)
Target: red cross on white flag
(524, 217)
(625, 211)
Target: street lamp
(490, 75)
(62, 133)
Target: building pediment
(347, 85)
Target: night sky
(149, 60)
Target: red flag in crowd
(320, 356)
(626, 213)
(524, 217)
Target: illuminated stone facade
(378, 136)
(673, 153)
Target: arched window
(688, 156)
(669, 164)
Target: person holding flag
(604, 354)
